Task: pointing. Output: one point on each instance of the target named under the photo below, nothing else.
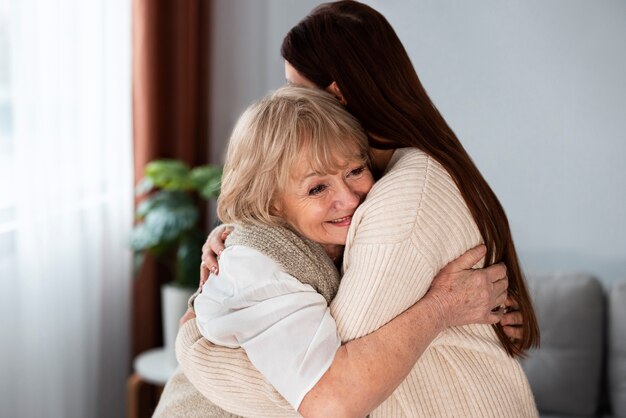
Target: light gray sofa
(580, 368)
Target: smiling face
(296, 158)
(320, 205)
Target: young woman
(350, 50)
(430, 205)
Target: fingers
(512, 319)
(204, 274)
(467, 260)
(216, 246)
(500, 287)
(209, 257)
(499, 301)
(512, 324)
(514, 333)
(211, 250)
(213, 247)
(226, 232)
(511, 303)
(215, 241)
(495, 272)
(495, 316)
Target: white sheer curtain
(65, 207)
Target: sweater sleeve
(413, 223)
(227, 377)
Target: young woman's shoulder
(390, 211)
(416, 199)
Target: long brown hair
(353, 45)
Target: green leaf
(167, 216)
(169, 175)
(207, 180)
(211, 190)
(188, 258)
(161, 199)
(146, 206)
(144, 186)
(141, 238)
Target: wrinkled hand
(512, 320)
(467, 296)
(211, 249)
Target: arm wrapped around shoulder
(227, 377)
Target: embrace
(409, 328)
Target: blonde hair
(267, 141)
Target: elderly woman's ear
(276, 207)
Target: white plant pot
(174, 304)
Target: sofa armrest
(617, 348)
(565, 373)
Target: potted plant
(167, 227)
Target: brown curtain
(170, 118)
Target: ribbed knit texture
(180, 399)
(303, 259)
(412, 224)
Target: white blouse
(284, 326)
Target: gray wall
(535, 90)
(246, 61)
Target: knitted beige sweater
(413, 223)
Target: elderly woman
(296, 171)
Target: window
(7, 187)
(65, 206)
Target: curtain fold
(65, 262)
(170, 116)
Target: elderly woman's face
(320, 205)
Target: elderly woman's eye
(357, 171)
(317, 189)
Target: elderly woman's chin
(337, 230)
(331, 233)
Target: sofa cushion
(565, 371)
(617, 349)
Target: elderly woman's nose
(347, 197)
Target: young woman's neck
(380, 159)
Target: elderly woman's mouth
(345, 221)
